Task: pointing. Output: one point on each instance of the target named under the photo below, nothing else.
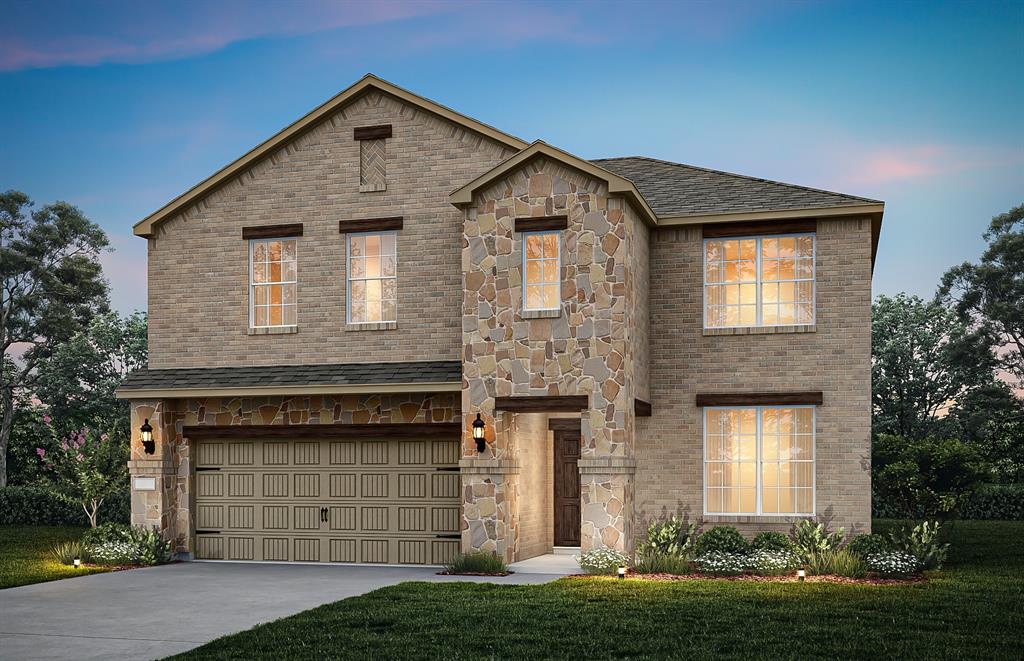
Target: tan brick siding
(835, 360)
(198, 264)
(536, 509)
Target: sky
(117, 107)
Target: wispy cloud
(885, 165)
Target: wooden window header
(542, 224)
(759, 228)
(272, 231)
(370, 225)
(542, 403)
(372, 132)
(563, 424)
(759, 399)
(382, 430)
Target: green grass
(972, 609)
(25, 555)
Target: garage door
(380, 501)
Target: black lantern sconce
(478, 434)
(146, 434)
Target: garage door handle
(456, 536)
(323, 514)
(205, 468)
(454, 469)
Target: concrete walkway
(151, 613)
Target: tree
(86, 467)
(991, 293)
(991, 419)
(52, 287)
(77, 382)
(924, 360)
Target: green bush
(772, 562)
(865, 545)
(602, 561)
(118, 544)
(151, 547)
(995, 501)
(922, 541)
(837, 562)
(478, 562)
(662, 563)
(771, 541)
(721, 539)
(924, 477)
(721, 563)
(810, 538)
(672, 536)
(892, 563)
(35, 505)
(66, 552)
(107, 532)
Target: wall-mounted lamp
(146, 435)
(478, 434)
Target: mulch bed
(871, 580)
(472, 573)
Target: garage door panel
(360, 501)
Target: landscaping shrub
(892, 563)
(662, 563)
(996, 501)
(721, 539)
(837, 562)
(721, 563)
(107, 532)
(602, 561)
(66, 552)
(810, 538)
(772, 562)
(36, 505)
(865, 545)
(672, 536)
(118, 544)
(771, 541)
(478, 562)
(922, 542)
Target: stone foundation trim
(607, 466)
(489, 466)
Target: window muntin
(759, 460)
(272, 282)
(759, 281)
(372, 278)
(541, 271)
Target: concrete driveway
(151, 613)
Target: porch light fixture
(146, 434)
(801, 575)
(622, 573)
(478, 434)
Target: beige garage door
(383, 501)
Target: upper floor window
(759, 460)
(759, 281)
(541, 271)
(272, 278)
(372, 293)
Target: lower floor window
(759, 460)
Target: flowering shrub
(117, 544)
(602, 561)
(114, 553)
(922, 542)
(770, 562)
(673, 536)
(721, 563)
(812, 538)
(892, 563)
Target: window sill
(754, 518)
(274, 330)
(372, 188)
(761, 330)
(375, 326)
(541, 314)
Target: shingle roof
(442, 371)
(674, 189)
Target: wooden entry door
(567, 488)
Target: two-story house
(336, 316)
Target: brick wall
(198, 263)
(834, 359)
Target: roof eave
(284, 390)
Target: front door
(567, 488)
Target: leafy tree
(991, 293)
(52, 286)
(926, 477)
(991, 418)
(86, 468)
(925, 359)
(77, 382)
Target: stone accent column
(154, 478)
(489, 507)
(606, 491)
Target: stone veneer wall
(835, 358)
(586, 349)
(198, 262)
(171, 505)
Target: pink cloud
(890, 164)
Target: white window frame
(253, 284)
(348, 277)
(758, 282)
(758, 462)
(558, 268)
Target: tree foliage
(924, 477)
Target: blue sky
(119, 106)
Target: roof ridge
(740, 176)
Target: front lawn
(24, 555)
(974, 608)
